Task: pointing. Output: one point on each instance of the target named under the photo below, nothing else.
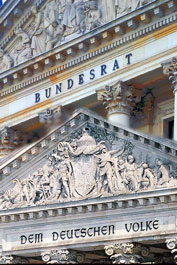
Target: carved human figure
(55, 185)
(69, 17)
(38, 34)
(128, 5)
(74, 17)
(17, 192)
(25, 52)
(93, 17)
(51, 22)
(107, 164)
(29, 190)
(45, 186)
(163, 175)
(55, 36)
(147, 179)
(130, 173)
(65, 174)
(6, 61)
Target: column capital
(62, 256)
(116, 97)
(172, 245)
(170, 69)
(6, 259)
(126, 253)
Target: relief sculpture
(84, 167)
(57, 22)
(123, 7)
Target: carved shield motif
(84, 168)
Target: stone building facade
(88, 130)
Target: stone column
(170, 69)
(117, 100)
(172, 245)
(126, 253)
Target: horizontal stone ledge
(101, 206)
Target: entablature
(99, 41)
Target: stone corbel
(172, 246)
(49, 115)
(126, 253)
(62, 256)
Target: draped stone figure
(6, 61)
(24, 53)
(128, 5)
(51, 16)
(38, 34)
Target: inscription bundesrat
(70, 234)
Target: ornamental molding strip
(119, 165)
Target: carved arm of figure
(119, 152)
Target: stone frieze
(60, 21)
(91, 164)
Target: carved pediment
(92, 160)
(48, 24)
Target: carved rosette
(171, 244)
(116, 98)
(62, 256)
(126, 253)
(170, 69)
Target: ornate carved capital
(172, 245)
(62, 256)
(126, 253)
(170, 69)
(6, 259)
(116, 97)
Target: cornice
(142, 202)
(61, 56)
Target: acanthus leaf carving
(67, 174)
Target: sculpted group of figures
(59, 19)
(126, 6)
(51, 26)
(83, 169)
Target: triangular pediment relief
(32, 28)
(87, 158)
